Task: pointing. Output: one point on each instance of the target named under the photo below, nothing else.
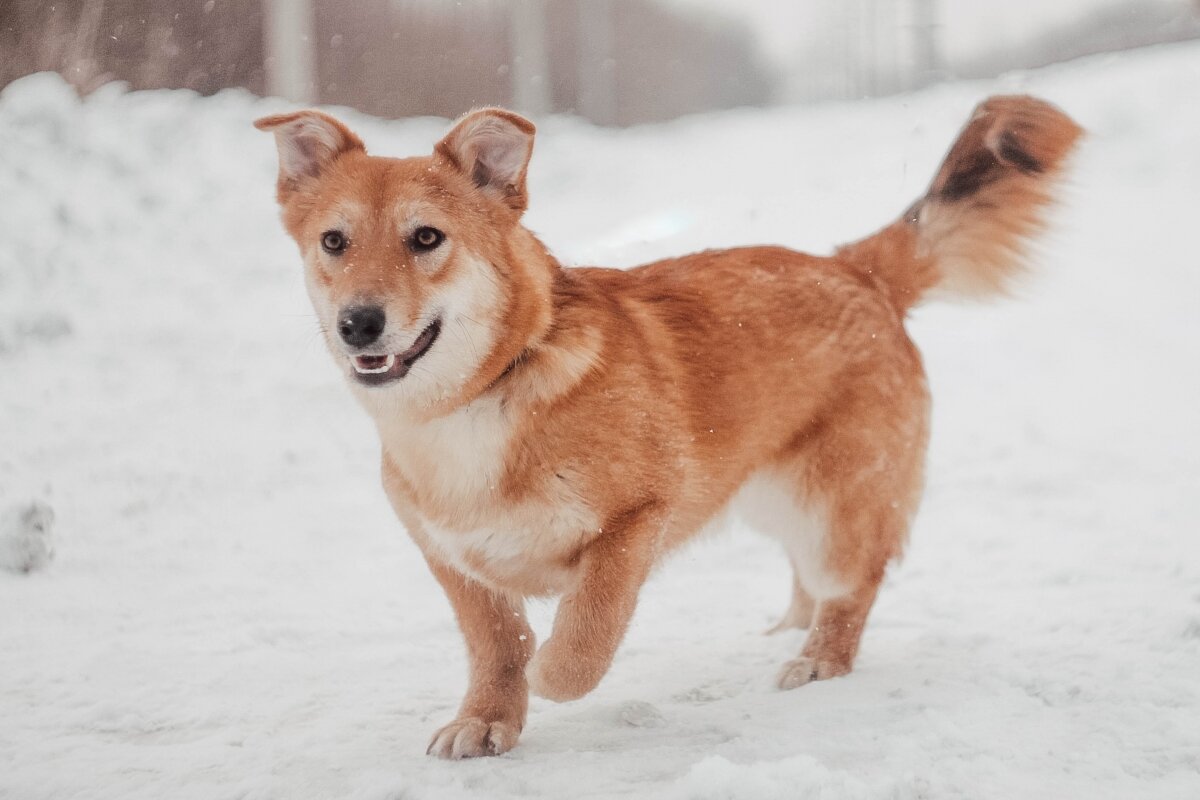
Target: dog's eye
(425, 239)
(333, 242)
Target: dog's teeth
(391, 362)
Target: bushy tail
(967, 235)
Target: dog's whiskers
(467, 335)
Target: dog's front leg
(591, 620)
(499, 645)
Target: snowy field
(233, 611)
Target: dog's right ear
(308, 142)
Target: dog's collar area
(512, 365)
(377, 370)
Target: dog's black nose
(361, 325)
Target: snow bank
(234, 612)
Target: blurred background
(615, 62)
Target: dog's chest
(457, 460)
(530, 549)
(456, 470)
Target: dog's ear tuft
(308, 142)
(492, 147)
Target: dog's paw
(802, 670)
(799, 615)
(556, 679)
(792, 619)
(473, 737)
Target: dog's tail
(967, 236)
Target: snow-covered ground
(233, 612)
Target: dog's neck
(531, 272)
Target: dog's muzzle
(377, 370)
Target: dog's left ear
(492, 146)
(308, 142)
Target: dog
(557, 432)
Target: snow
(26, 537)
(233, 611)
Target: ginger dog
(551, 431)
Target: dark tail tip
(1005, 134)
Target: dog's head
(425, 283)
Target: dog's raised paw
(553, 678)
(473, 737)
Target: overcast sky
(967, 25)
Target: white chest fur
(457, 460)
(456, 464)
(525, 549)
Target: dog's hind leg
(800, 611)
(861, 475)
(833, 640)
(848, 568)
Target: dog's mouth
(378, 370)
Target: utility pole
(289, 40)
(530, 59)
(597, 64)
(927, 60)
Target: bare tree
(290, 65)
(597, 65)
(530, 68)
(928, 66)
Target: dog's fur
(570, 427)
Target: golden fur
(568, 428)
